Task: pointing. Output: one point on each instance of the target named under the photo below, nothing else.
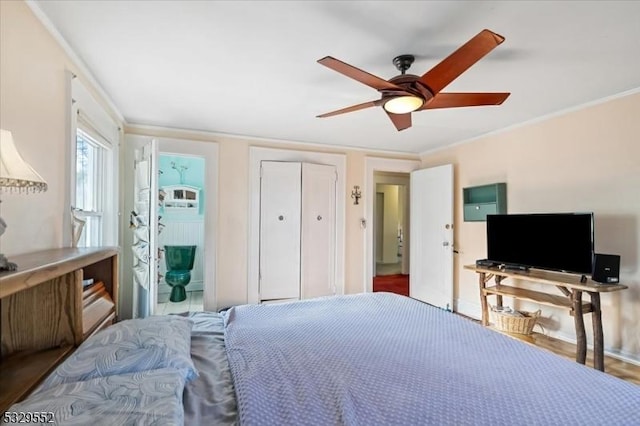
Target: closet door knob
(280, 218)
(319, 217)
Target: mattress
(380, 358)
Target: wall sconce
(18, 176)
(356, 194)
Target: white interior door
(280, 201)
(318, 230)
(431, 245)
(143, 223)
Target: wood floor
(613, 366)
(398, 284)
(618, 368)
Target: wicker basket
(509, 323)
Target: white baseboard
(472, 310)
(622, 356)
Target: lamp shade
(15, 173)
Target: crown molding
(141, 128)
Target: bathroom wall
(192, 176)
(182, 227)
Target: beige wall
(233, 210)
(355, 237)
(586, 160)
(34, 106)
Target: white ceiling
(249, 67)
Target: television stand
(570, 285)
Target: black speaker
(606, 268)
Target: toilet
(179, 261)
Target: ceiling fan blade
(401, 121)
(438, 77)
(350, 109)
(455, 100)
(357, 74)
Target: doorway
(430, 228)
(391, 219)
(144, 298)
(380, 167)
(181, 189)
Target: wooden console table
(571, 288)
(45, 312)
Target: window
(91, 156)
(93, 180)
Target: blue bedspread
(383, 359)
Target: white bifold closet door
(297, 230)
(318, 236)
(280, 197)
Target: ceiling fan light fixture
(403, 104)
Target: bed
(366, 359)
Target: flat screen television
(554, 241)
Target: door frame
(372, 165)
(208, 151)
(256, 156)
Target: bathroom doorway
(140, 286)
(181, 213)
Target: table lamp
(18, 176)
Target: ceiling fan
(406, 93)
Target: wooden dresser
(46, 311)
